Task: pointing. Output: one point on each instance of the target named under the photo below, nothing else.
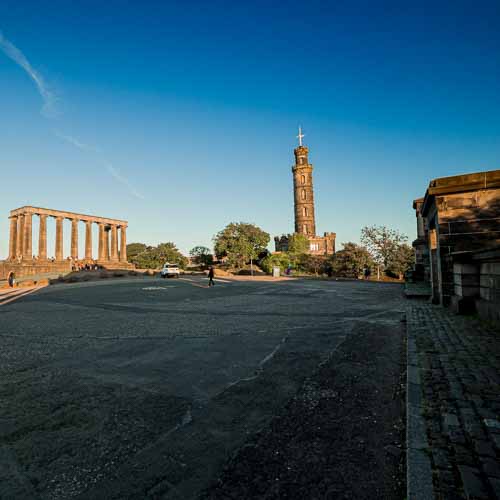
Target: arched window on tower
(303, 179)
(301, 160)
(305, 212)
(303, 194)
(305, 228)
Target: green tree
(401, 259)
(312, 264)
(298, 243)
(201, 255)
(134, 249)
(381, 242)
(281, 260)
(168, 252)
(351, 261)
(240, 243)
(154, 257)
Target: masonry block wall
(462, 214)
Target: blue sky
(181, 117)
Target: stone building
(305, 220)
(458, 242)
(422, 263)
(24, 260)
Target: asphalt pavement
(145, 388)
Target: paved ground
(458, 364)
(148, 388)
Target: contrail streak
(75, 142)
(49, 109)
(109, 167)
(116, 174)
(49, 97)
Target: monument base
(111, 264)
(33, 268)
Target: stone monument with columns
(24, 262)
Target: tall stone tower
(305, 222)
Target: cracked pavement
(146, 388)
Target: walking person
(211, 276)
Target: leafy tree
(298, 243)
(201, 255)
(351, 261)
(400, 260)
(281, 260)
(240, 242)
(134, 249)
(154, 257)
(168, 252)
(313, 264)
(381, 242)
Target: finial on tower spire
(300, 136)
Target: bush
(281, 260)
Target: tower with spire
(305, 221)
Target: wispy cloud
(75, 142)
(49, 110)
(50, 99)
(116, 174)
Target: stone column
(20, 236)
(101, 241)
(13, 238)
(123, 244)
(59, 238)
(88, 240)
(28, 234)
(420, 226)
(106, 244)
(114, 243)
(74, 239)
(42, 238)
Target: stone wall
(488, 304)
(33, 268)
(318, 245)
(463, 222)
(476, 278)
(458, 232)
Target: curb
(418, 464)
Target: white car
(170, 271)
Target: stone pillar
(101, 241)
(20, 236)
(59, 238)
(28, 234)
(420, 226)
(13, 238)
(74, 239)
(88, 240)
(114, 243)
(123, 244)
(106, 244)
(42, 238)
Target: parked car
(170, 271)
